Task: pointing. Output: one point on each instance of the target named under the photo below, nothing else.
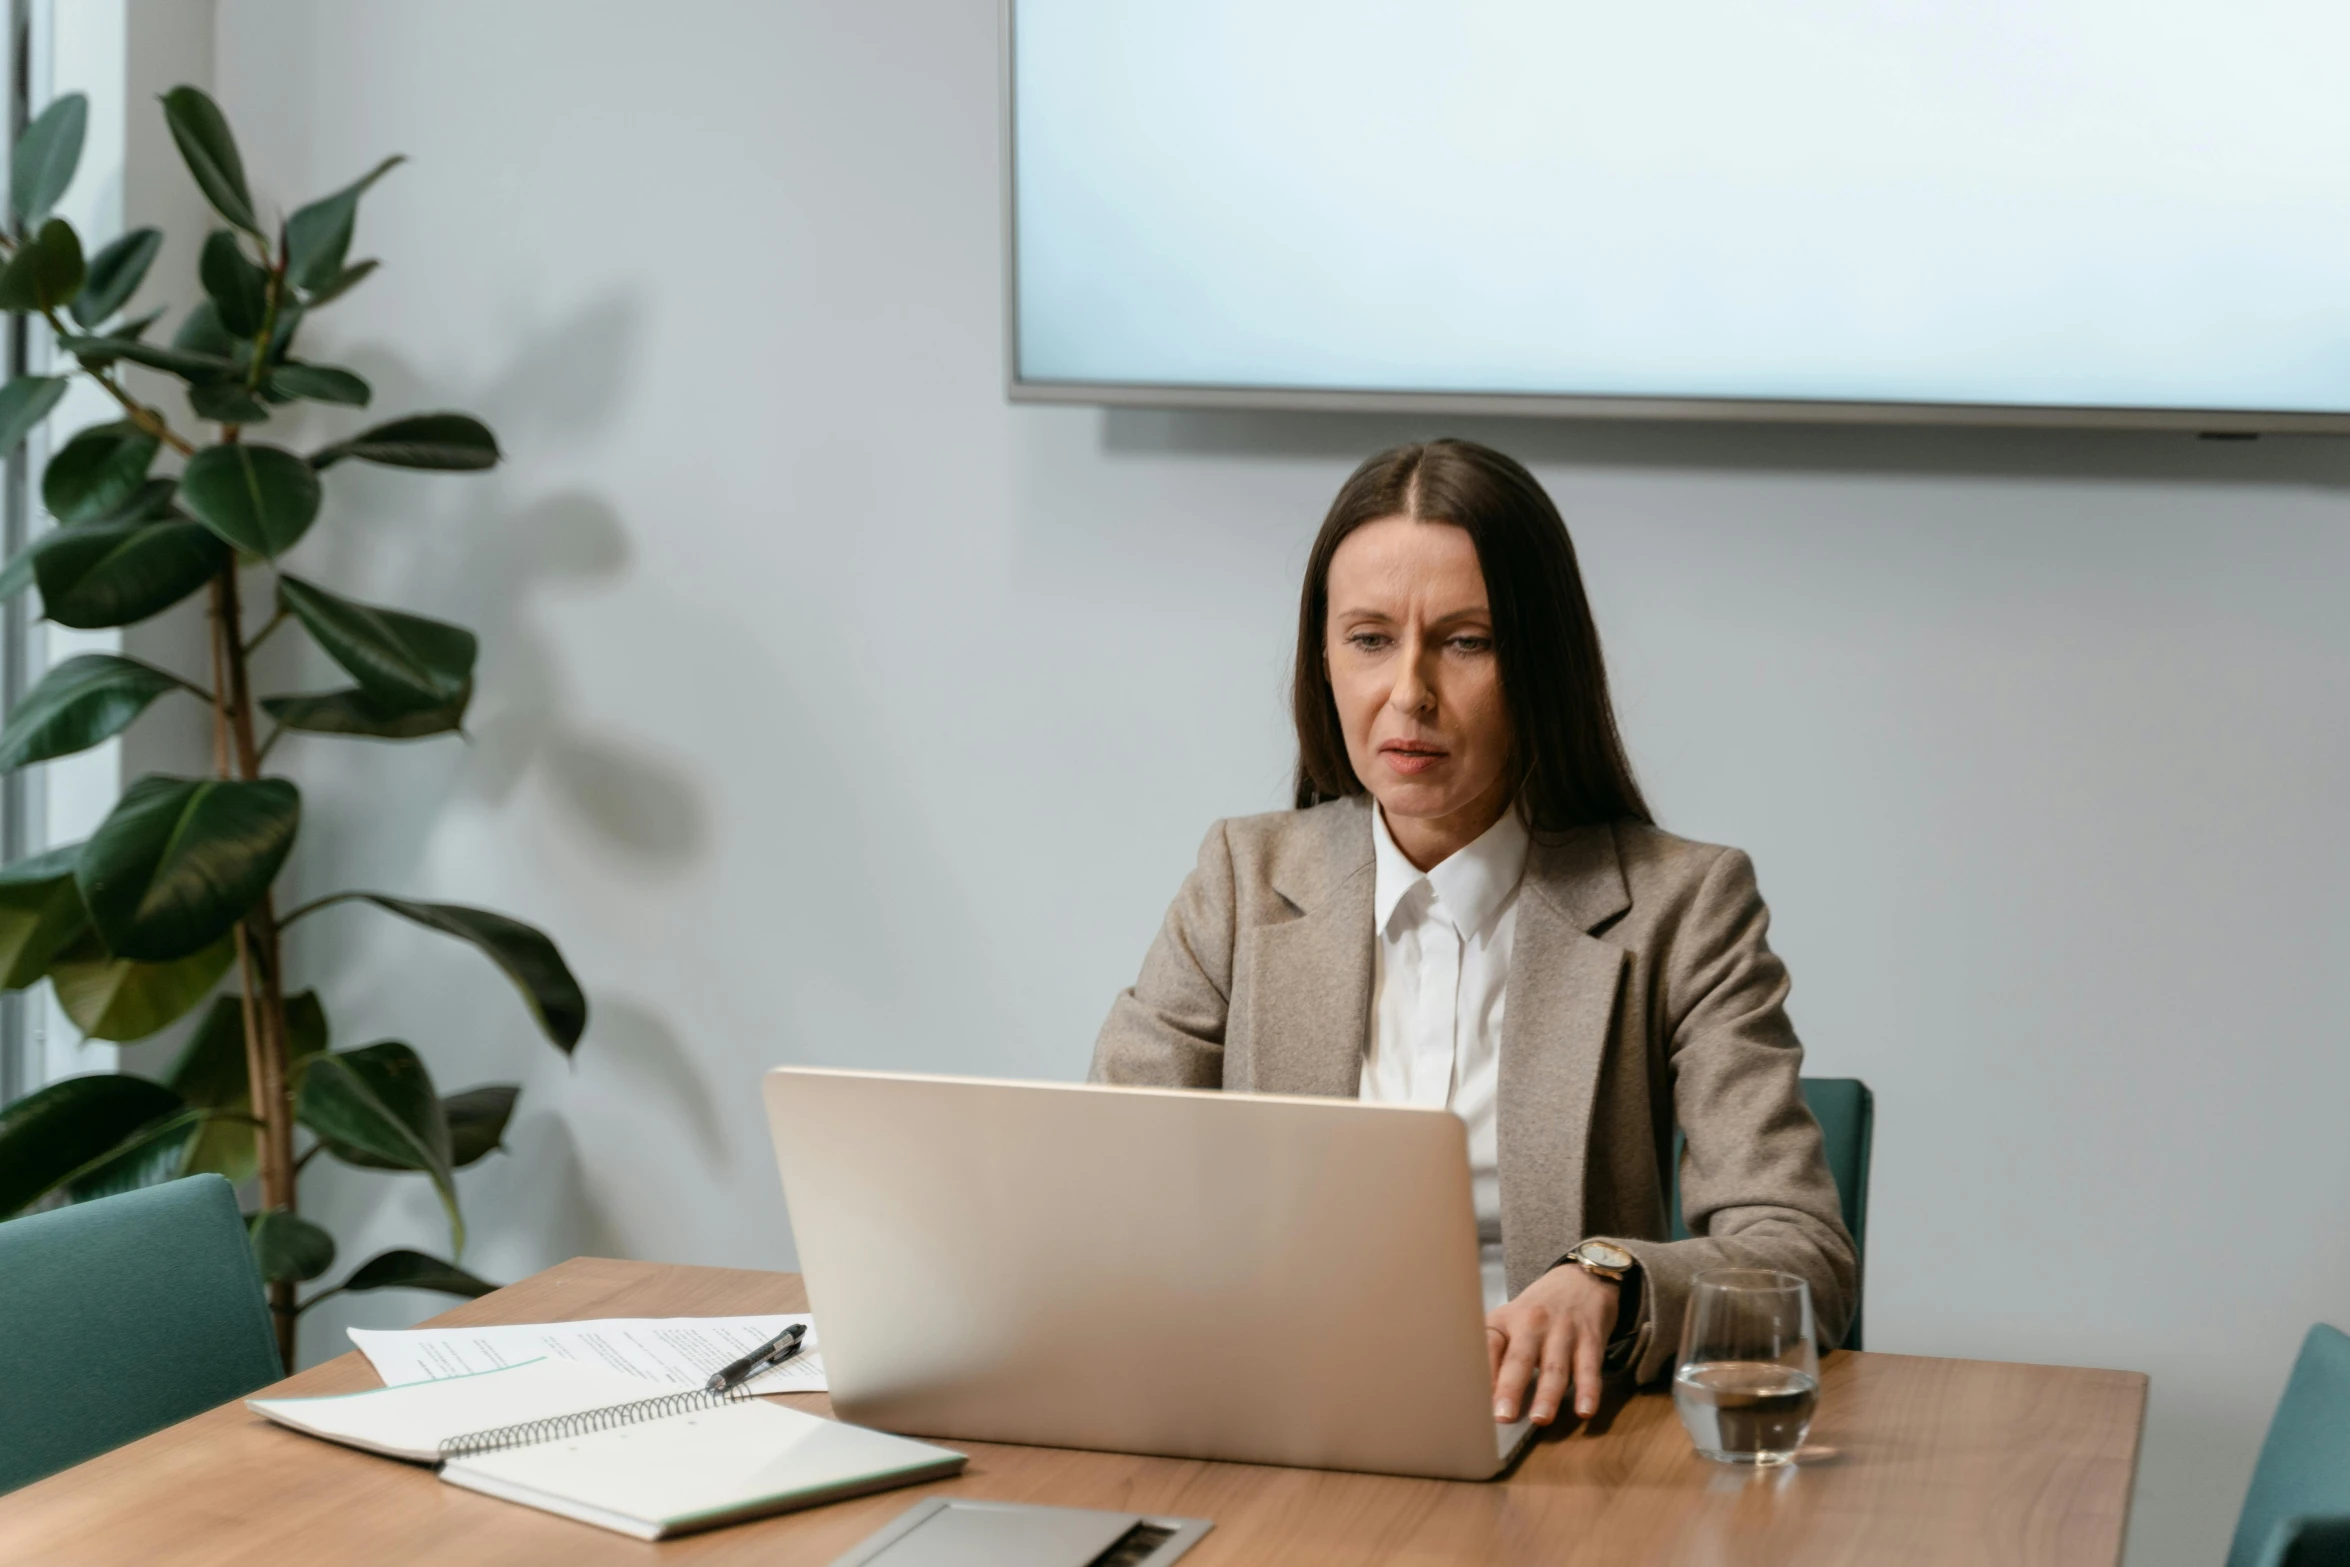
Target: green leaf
(375, 1107)
(40, 912)
(260, 498)
(238, 289)
(201, 333)
(409, 1270)
(148, 1157)
(88, 698)
(211, 154)
(24, 403)
(135, 328)
(281, 338)
(320, 384)
(305, 1030)
(46, 271)
(448, 442)
(288, 1247)
(227, 402)
(477, 1121)
(152, 501)
(115, 574)
(115, 998)
(403, 662)
(319, 235)
(52, 1132)
(210, 1074)
(356, 713)
(342, 282)
(98, 469)
(96, 353)
(115, 275)
(178, 861)
(47, 152)
(204, 343)
(527, 956)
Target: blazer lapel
(1558, 1016)
(1309, 983)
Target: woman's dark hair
(1566, 751)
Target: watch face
(1606, 1255)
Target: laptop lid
(1229, 1276)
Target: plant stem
(253, 642)
(275, 299)
(235, 756)
(148, 419)
(240, 690)
(315, 904)
(222, 634)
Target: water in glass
(1748, 1379)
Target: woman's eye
(1471, 644)
(1368, 641)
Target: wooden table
(1913, 1461)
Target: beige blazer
(1641, 994)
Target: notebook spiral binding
(531, 1432)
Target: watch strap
(1631, 1310)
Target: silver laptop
(1248, 1277)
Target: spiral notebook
(586, 1443)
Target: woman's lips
(1409, 757)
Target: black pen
(772, 1353)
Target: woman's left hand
(1554, 1335)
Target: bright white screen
(2134, 203)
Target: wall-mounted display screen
(2104, 211)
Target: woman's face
(1418, 685)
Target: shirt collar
(1470, 886)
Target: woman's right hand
(1554, 1335)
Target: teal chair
(1847, 1113)
(2297, 1513)
(121, 1316)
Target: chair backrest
(2299, 1541)
(123, 1315)
(2304, 1469)
(1847, 1113)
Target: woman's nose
(1412, 694)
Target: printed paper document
(674, 1351)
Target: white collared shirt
(1440, 967)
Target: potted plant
(139, 926)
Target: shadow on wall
(468, 551)
(625, 797)
(2318, 461)
(633, 1041)
(471, 550)
(541, 1187)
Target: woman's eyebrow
(1480, 614)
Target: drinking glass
(1749, 1375)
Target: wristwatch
(1604, 1260)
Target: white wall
(834, 711)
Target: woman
(1471, 907)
